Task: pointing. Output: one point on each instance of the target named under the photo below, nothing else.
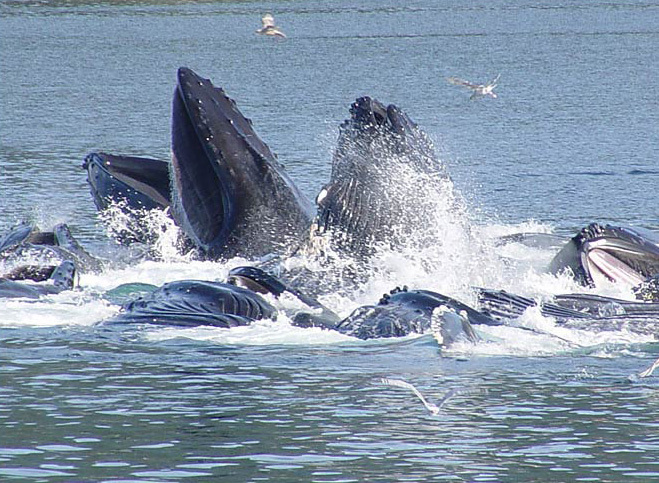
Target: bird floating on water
(433, 408)
(269, 27)
(480, 90)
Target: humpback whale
(366, 202)
(39, 262)
(32, 254)
(224, 188)
(62, 277)
(402, 312)
(136, 184)
(189, 303)
(230, 196)
(600, 253)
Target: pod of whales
(191, 303)
(229, 196)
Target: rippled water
(130, 411)
(126, 410)
(571, 139)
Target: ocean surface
(571, 139)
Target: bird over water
(269, 27)
(479, 90)
(431, 407)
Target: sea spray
(153, 229)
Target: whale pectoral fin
(82, 258)
(449, 327)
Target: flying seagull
(269, 28)
(480, 90)
(650, 369)
(433, 408)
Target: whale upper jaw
(229, 191)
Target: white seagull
(269, 28)
(480, 90)
(650, 369)
(433, 408)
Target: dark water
(573, 138)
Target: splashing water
(154, 227)
(432, 243)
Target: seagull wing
(406, 385)
(650, 369)
(447, 396)
(495, 80)
(458, 392)
(268, 21)
(461, 82)
(398, 383)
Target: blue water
(571, 139)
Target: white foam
(67, 308)
(447, 253)
(262, 332)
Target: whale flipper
(449, 326)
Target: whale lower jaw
(606, 253)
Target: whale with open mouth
(606, 253)
(224, 187)
(380, 154)
(230, 196)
